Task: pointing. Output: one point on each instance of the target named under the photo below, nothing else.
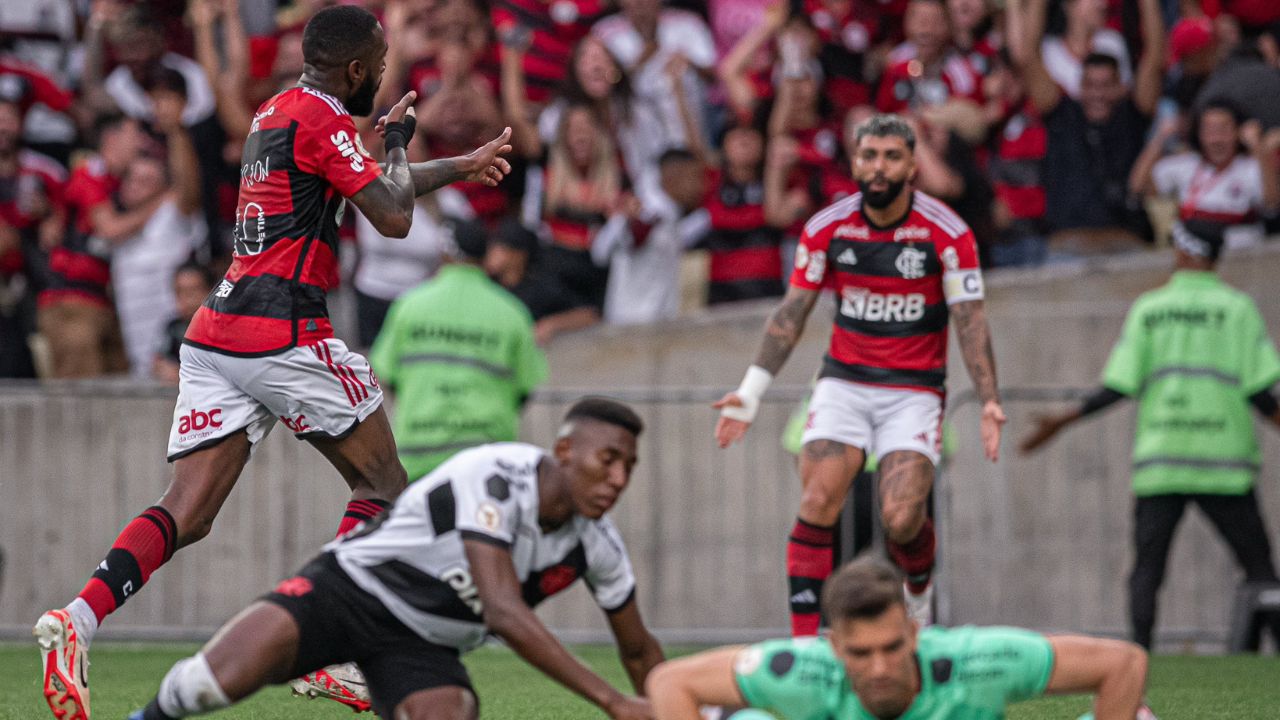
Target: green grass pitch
(124, 677)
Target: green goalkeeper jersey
(966, 673)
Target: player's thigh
(215, 426)
(906, 479)
(328, 395)
(367, 457)
(836, 435)
(255, 648)
(329, 615)
(443, 703)
(906, 420)
(413, 678)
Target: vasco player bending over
(901, 263)
(877, 663)
(261, 348)
(465, 551)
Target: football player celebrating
(877, 663)
(464, 552)
(261, 347)
(902, 263)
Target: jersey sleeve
(961, 272)
(332, 149)
(1004, 665)
(609, 573)
(1126, 368)
(811, 258)
(485, 504)
(793, 679)
(1170, 175)
(1261, 367)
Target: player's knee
(385, 476)
(191, 688)
(901, 520)
(440, 704)
(193, 527)
(820, 505)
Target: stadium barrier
(1040, 541)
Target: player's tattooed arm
(485, 165)
(975, 345)
(785, 325)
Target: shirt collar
(1195, 277)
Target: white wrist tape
(754, 384)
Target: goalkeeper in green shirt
(877, 664)
(1195, 354)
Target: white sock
(82, 617)
(190, 688)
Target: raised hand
(485, 164)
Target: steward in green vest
(1195, 354)
(459, 354)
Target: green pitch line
(124, 677)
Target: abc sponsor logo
(199, 422)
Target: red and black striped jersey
(1017, 166)
(303, 156)
(79, 267)
(555, 26)
(893, 285)
(745, 255)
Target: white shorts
(320, 390)
(876, 419)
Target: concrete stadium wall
(1041, 541)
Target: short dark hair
(1097, 59)
(675, 154)
(886, 125)
(191, 266)
(337, 35)
(166, 78)
(141, 17)
(606, 410)
(862, 590)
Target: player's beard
(882, 198)
(360, 104)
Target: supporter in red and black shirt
(32, 219)
(548, 29)
(1016, 167)
(927, 70)
(746, 253)
(847, 31)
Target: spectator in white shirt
(1085, 32)
(143, 264)
(645, 239)
(644, 38)
(1230, 177)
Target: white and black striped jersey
(412, 558)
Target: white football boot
(66, 666)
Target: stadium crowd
(667, 154)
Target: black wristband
(399, 134)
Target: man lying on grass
(876, 664)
